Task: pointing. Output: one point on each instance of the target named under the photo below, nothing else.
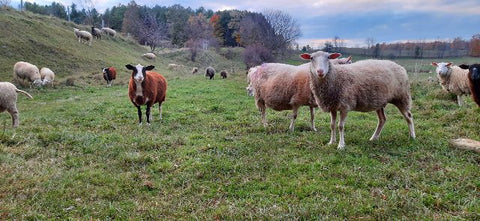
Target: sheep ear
(334, 55)
(464, 66)
(349, 58)
(129, 67)
(449, 63)
(149, 67)
(306, 56)
(434, 64)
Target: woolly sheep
(47, 76)
(281, 87)
(149, 55)
(83, 35)
(223, 74)
(97, 33)
(146, 88)
(27, 71)
(347, 60)
(473, 80)
(194, 70)
(173, 66)
(8, 100)
(210, 72)
(453, 79)
(109, 31)
(362, 86)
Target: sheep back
(25, 70)
(457, 83)
(8, 96)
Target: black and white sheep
(363, 86)
(26, 71)
(453, 79)
(8, 100)
(97, 33)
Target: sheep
(146, 88)
(47, 75)
(453, 79)
(83, 35)
(149, 55)
(281, 87)
(109, 74)
(361, 86)
(210, 73)
(347, 60)
(173, 66)
(30, 72)
(223, 74)
(473, 80)
(8, 100)
(109, 31)
(97, 33)
(194, 70)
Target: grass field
(80, 154)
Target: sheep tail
(24, 92)
(474, 80)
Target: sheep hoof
(331, 142)
(373, 138)
(341, 147)
(314, 129)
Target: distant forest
(266, 36)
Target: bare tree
(4, 3)
(285, 29)
(200, 33)
(152, 32)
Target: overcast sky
(353, 20)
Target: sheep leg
(14, 114)
(381, 122)
(261, 106)
(341, 127)
(312, 118)
(139, 114)
(294, 117)
(409, 118)
(160, 110)
(148, 114)
(333, 121)
(460, 100)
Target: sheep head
(474, 70)
(319, 62)
(139, 72)
(442, 68)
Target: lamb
(109, 74)
(362, 86)
(8, 100)
(149, 55)
(194, 70)
(453, 79)
(30, 72)
(146, 88)
(109, 31)
(47, 76)
(83, 35)
(473, 80)
(281, 87)
(223, 74)
(97, 33)
(210, 73)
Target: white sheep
(347, 60)
(149, 55)
(27, 71)
(453, 79)
(281, 87)
(8, 100)
(109, 31)
(363, 86)
(173, 66)
(83, 35)
(47, 75)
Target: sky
(352, 20)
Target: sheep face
(139, 72)
(250, 90)
(319, 62)
(442, 68)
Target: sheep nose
(320, 72)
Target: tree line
(266, 36)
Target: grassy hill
(79, 153)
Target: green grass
(80, 154)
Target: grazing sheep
(347, 60)
(109, 31)
(453, 79)
(473, 80)
(149, 55)
(30, 72)
(48, 76)
(83, 35)
(146, 88)
(172, 66)
(223, 74)
(8, 100)
(281, 87)
(362, 86)
(97, 33)
(194, 70)
(109, 74)
(210, 73)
